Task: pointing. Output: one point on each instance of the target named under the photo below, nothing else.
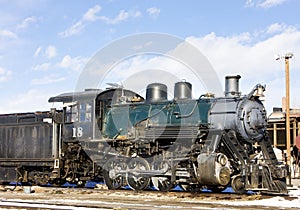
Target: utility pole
(287, 104)
(287, 58)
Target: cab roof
(95, 94)
(75, 96)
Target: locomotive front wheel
(135, 179)
(113, 164)
(238, 185)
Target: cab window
(71, 113)
(79, 112)
(85, 110)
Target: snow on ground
(274, 202)
(291, 201)
(271, 202)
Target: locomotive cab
(74, 126)
(77, 116)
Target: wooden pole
(287, 115)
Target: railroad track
(75, 198)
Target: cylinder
(182, 90)
(232, 86)
(213, 169)
(156, 92)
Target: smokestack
(232, 86)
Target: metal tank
(182, 90)
(156, 92)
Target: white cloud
(37, 52)
(74, 29)
(50, 51)
(7, 34)
(30, 101)
(279, 28)
(26, 22)
(223, 50)
(263, 3)
(75, 63)
(4, 74)
(153, 12)
(136, 14)
(42, 67)
(274, 28)
(90, 15)
(49, 79)
(122, 16)
(249, 3)
(270, 3)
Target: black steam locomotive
(125, 139)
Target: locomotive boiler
(196, 143)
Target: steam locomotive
(119, 136)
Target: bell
(259, 92)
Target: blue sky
(44, 45)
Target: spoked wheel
(135, 180)
(162, 183)
(237, 184)
(111, 167)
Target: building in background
(277, 133)
(277, 127)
